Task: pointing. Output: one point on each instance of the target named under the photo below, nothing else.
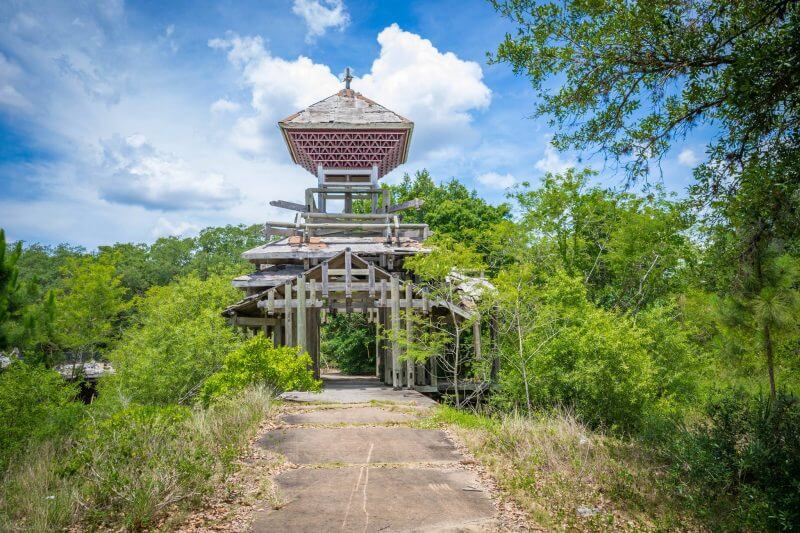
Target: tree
(452, 209)
(768, 305)
(10, 290)
(638, 75)
(441, 337)
(630, 250)
(90, 303)
(177, 340)
(219, 250)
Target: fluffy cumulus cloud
(138, 174)
(437, 90)
(688, 158)
(553, 161)
(319, 15)
(168, 228)
(224, 105)
(497, 181)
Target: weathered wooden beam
(476, 337)
(287, 316)
(325, 279)
(348, 274)
(416, 203)
(371, 280)
(271, 302)
(397, 379)
(302, 339)
(253, 321)
(292, 206)
(409, 328)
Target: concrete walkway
(358, 467)
(341, 388)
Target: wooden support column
(397, 376)
(302, 338)
(277, 335)
(476, 337)
(385, 352)
(312, 335)
(377, 343)
(409, 329)
(288, 327)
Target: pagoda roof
(346, 109)
(347, 131)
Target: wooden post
(277, 335)
(476, 337)
(287, 314)
(397, 377)
(377, 345)
(312, 334)
(386, 355)
(302, 338)
(409, 328)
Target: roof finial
(347, 78)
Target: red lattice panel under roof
(348, 149)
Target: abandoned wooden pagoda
(344, 262)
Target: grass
(566, 477)
(129, 469)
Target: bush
(349, 343)
(578, 356)
(180, 339)
(129, 466)
(746, 457)
(258, 362)
(35, 404)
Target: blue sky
(127, 121)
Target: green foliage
(453, 210)
(742, 467)
(631, 251)
(635, 75)
(14, 324)
(219, 250)
(569, 352)
(258, 362)
(177, 340)
(129, 466)
(447, 255)
(35, 405)
(349, 343)
(90, 303)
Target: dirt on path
(356, 466)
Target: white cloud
(552, 161)
(320, 15)
(438, 91)
(688, 158)
(224, 105)
(168, 228)
(141, 175)
(497, 181)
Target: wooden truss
(292, 312)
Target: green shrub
(575, 355)
(349, 342)
(258, 362)
(129, 466)
(179, 340)
(35, 404)
(746, 457)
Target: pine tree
(10, 302)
